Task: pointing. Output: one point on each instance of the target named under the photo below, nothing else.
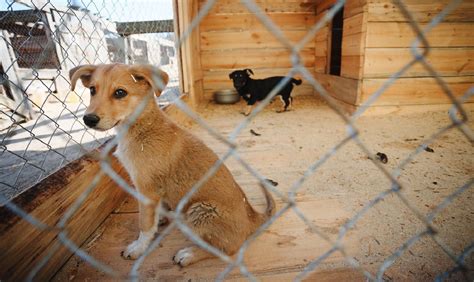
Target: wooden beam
(383, 62)
(249, 39)
(190, 53)
(415, 91)
(23, 245)
(354, 7)
(398, 34)
(255, 58)
(421, 10)
(270, 6)
(324, 5)
(239, 22)
(342, 89)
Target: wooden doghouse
(351, 56)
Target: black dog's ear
(249, 71)
(231, 75)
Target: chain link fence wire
(42, 127)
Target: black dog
(253, 90)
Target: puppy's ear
(249, 71)
(155, 77)
(84, 72)
(231, 75)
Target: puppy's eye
(92, 89)
(120, 93)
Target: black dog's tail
(296, 81)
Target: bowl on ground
(226, 96)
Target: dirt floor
(335, 193)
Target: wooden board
(383, 62)
(320, 64)
(352, 66)
(421, 10)
(190, 50)
(324, 5)
(23, 246)
(249, 39)
(273, 6)
(321, 49)
(237, 22)
(343, 89)
(355, 24)
(253, 58)
(353, 45)
(395, 34)
(416, 91)
(322, 34)
(351, 7)
(280, 253)
(354, 7)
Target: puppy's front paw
(137, 247)
(184, 257)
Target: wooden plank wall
(345, 88)
(231, 38)
(191, 71)
(387, 49)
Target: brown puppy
(165, 161)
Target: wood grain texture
(352, 66)
(354, 7)
(190, 53)
(277, 255)
(422, 11)
(343, 89)
(253, 58)
(395, 34)
(355, 24)
(23, 245)
(238, 22)
(415, 91)
(383, 62)
(230, 40)
(273, 6)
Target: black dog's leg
(250, 104)
(286, 103)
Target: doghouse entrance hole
(336, 43)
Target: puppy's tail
(269, 199)
(296, 81)
(270, 210)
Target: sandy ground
(335, 193)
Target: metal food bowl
(226, 96)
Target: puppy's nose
(91, 120)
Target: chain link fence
(40, 118)
(42, 126)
